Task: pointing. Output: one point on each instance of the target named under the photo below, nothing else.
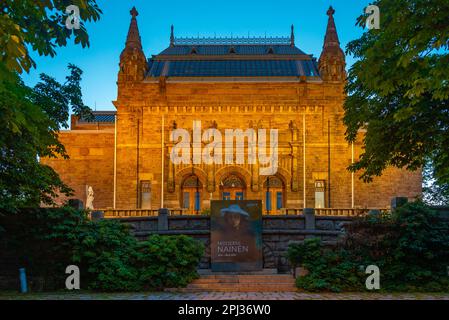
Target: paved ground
(223, 296)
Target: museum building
(225, 83)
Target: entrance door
(233, 188)
(233, 194)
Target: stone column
(162, 219)
(255, 166)
(294, 144)
(309, 215)
(171, 172)
(210, 187)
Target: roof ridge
(232, 41)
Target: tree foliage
(46, 240)
(41, 26)
(410, 246)
(398, 89)
(32, 117)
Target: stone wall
(278, 232)
(91, 162)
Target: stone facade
(307, 111)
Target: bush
(46, 241)
(168, 261)
(410, 246)
(329, 270)
(107, 254)
(42, 241)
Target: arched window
(145, 194)
(233, 188)
(191, 194)
(274, 195)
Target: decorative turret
(292, 36)
(172, 36)
(133, 63)
(332, 60)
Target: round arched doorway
(232, 187)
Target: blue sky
(191, 18)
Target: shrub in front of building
(168, 261)
(46, 241)
(410, 246)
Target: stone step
(246, 279)
(241, 283)
(265, 271)
(240, 288)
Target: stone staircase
(250, 282)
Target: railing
(352, 212)
(125, 213)
(232, 40)
(333, 212)
(343, 212)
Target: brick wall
(91, 163)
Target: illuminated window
(319, 193)
(145, 194)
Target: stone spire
(292, 36)
(332, 60)
(133, 63)
(133, 38)
(331, 38)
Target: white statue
(90, 198)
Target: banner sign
(236, 235)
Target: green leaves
(168, 261)
(410, 246)
(31, 119)
(46, 241)
(399, 86)
(40, 26)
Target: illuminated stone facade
(225, 84)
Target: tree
(31, 117)
(40, 25)
(398, 89)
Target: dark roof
(228, 60)
(101, 116)
(211, 50)
(233, 68)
